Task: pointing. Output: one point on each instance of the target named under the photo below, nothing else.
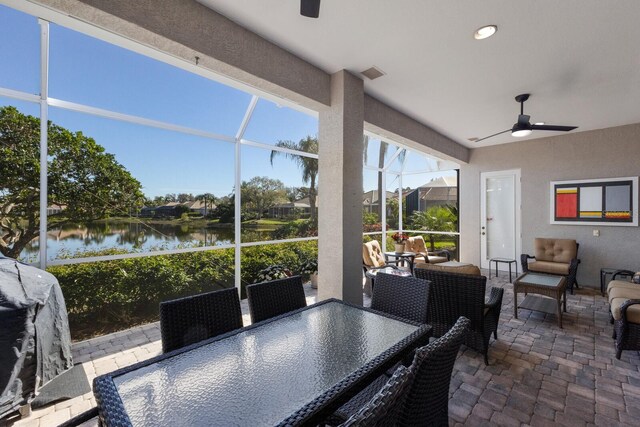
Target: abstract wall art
(610, 201)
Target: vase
(314, 280)
(399, 248)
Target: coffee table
(552, 287)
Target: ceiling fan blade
(310, 8)
(491, 136)
(523, 119)
(554, 127)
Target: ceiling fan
(523, 127)
(310, 8)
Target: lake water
(136, 237)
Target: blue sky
(92, 72)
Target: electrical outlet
(596, 233)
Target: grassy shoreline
(196, 222)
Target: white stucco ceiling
(580, 59)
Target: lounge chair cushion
(431, 259)
(622, 284)
(633, 312)
(623, 292)
(555, 250)
(372, 254)
(549, 267)
(451, 267)
(416, 245)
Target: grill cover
(35, 344)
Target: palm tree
(206, 197)
(307, 165)
(436, 218)
(384, 147)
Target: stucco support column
(340, 184)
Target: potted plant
(273, 272)
(309, 271)
(399, 238)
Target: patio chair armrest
(623, 308)
(441, 252)
(495, 299)
(524, 261)
(622, 273)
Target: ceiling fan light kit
(523, 126)
(519, 133)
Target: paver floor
(538, 374)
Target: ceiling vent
(474, 139)
(373, 73)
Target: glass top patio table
(294, 369)
(540, 280)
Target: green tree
(307, 165)
(184, 197)
(436, 218)
(84, 180)
(261, 193)
(180, 210)
(224, 210)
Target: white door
(499, 216)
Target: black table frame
(398, 257)
(504, 261)
(112, 412)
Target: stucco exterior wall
(604, 153)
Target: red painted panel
(567, 205)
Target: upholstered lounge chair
(372, 257)
(416, 245)
(624, 303)
(554, 256)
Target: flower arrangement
(272, 272)
(308, 267)
(399, 238)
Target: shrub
(272, 272)
(107, 296)
(299, 228)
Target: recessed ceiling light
(485, 32)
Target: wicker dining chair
(425, 401)
(270, 299)
(192, 319)
(453, 295)
(405, 297)
(381, 410)
(85, 419)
